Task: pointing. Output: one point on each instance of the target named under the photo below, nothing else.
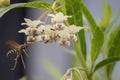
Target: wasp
(17, 49)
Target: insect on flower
(18, 49)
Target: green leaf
(106, 18)
(35, 4)
(113, 47)
(106, 62)
(73, 9)
(113, 23)
(103, 5)
(97, 34)
(23, 78)
(63, 8)
(108, 14)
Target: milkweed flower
(74, 29)
(41, 29)
(23, 31)
(59, 26)
(58, 17)
(31, 27)
(57, 31)
(72, 37)
(29, 31)
(44, 38)
(64, 34)
(31, 23)
(64, 42)
(31, 39)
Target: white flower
(63, 34)
(59, 26)
(29, 31)
(31, 39)
(41, 29)
(58, 17)
(52, 39)
(72, 37)
(57, 32)
(38, 38)
(31, 23)
(53, 34)
(49, 29)
(74, 29)
(22, 31)
(64, 42)
(44, 38)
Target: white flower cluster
(57, 31)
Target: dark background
(10, 24)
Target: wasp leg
(16, 59)
(25, 51)
(22, 61)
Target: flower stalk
(81, 58)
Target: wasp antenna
(22, 61)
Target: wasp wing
(13, 44)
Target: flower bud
(4, 3)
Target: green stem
(42, 15)
(83, 62)
(80, 56)
(90, 78)
(78, 73)
(92, 69)
(107, 77)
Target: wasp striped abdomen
(13, 51)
